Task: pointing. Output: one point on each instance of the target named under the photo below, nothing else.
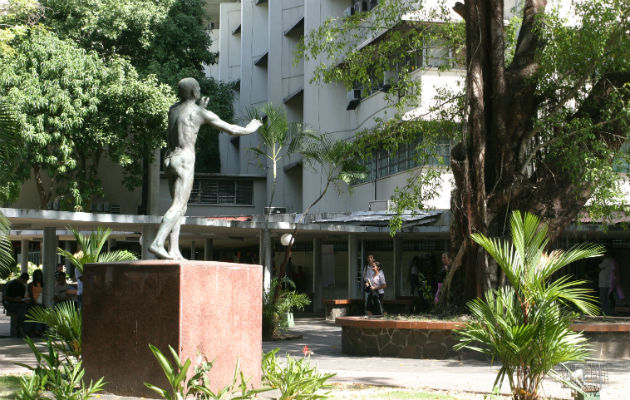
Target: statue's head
(188, 89)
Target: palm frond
(116, 256)
(527, 325)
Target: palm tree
(526, 325)
(279, 137)
(90, 249)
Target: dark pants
(19, 309)
(375, 303)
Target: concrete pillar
(317, 274)
(208, 250)
(154, 184)
(24, 255)
(265, 258)
(354, 267)
(148, 233)
(49, 260)
(397, 270)
(192, 249)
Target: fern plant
(526, 325)
(64, 326)
(91, 249)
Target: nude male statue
(184, 120)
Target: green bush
(62, 377)
(63, 326)
(198, 385)
(280, 300)
(527, 325)
(296, 380)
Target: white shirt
(378, 280)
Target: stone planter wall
(434, 339)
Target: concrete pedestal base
(197, 307)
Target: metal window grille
(217, 191)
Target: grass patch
(9, 385)
(429, 317)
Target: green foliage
(7, 262)
(278, 138)
(295, 380)
(63, 378)
(63, 322)
(197, 386)
(527, 325)
(566, 124)
(73, 108)
(164, 38)
(277, 302)
(90, 79)
(91, 247)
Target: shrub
(526, 325)
(297, 380)
(198, 385)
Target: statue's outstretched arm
(235, 130)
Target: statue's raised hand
(253, 125)
(203, 103)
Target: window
(222, 191)
(384, 162)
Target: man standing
(184, 120)
(15, 301)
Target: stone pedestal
(206, 307)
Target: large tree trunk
(492, 169)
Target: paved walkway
(324, 339)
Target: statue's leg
(180, 183)
(174, 252)
(181, 192)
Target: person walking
(376, 285)
(365, 276)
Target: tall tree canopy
(94, 79)
(539, 122)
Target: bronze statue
(184, 120)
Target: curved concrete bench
(434, 339)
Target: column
(353, 267)
(24, 254)
(265, 258)
(398, 272)
(317, 274)
(208, 250)
(192, 250)
(49, 260)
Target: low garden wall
(434, 339)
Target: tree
(8, 150)
(89, 80)
(543, 110)
(73, 109)
(165, 38)
(527, 325)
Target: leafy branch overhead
(91, 81)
